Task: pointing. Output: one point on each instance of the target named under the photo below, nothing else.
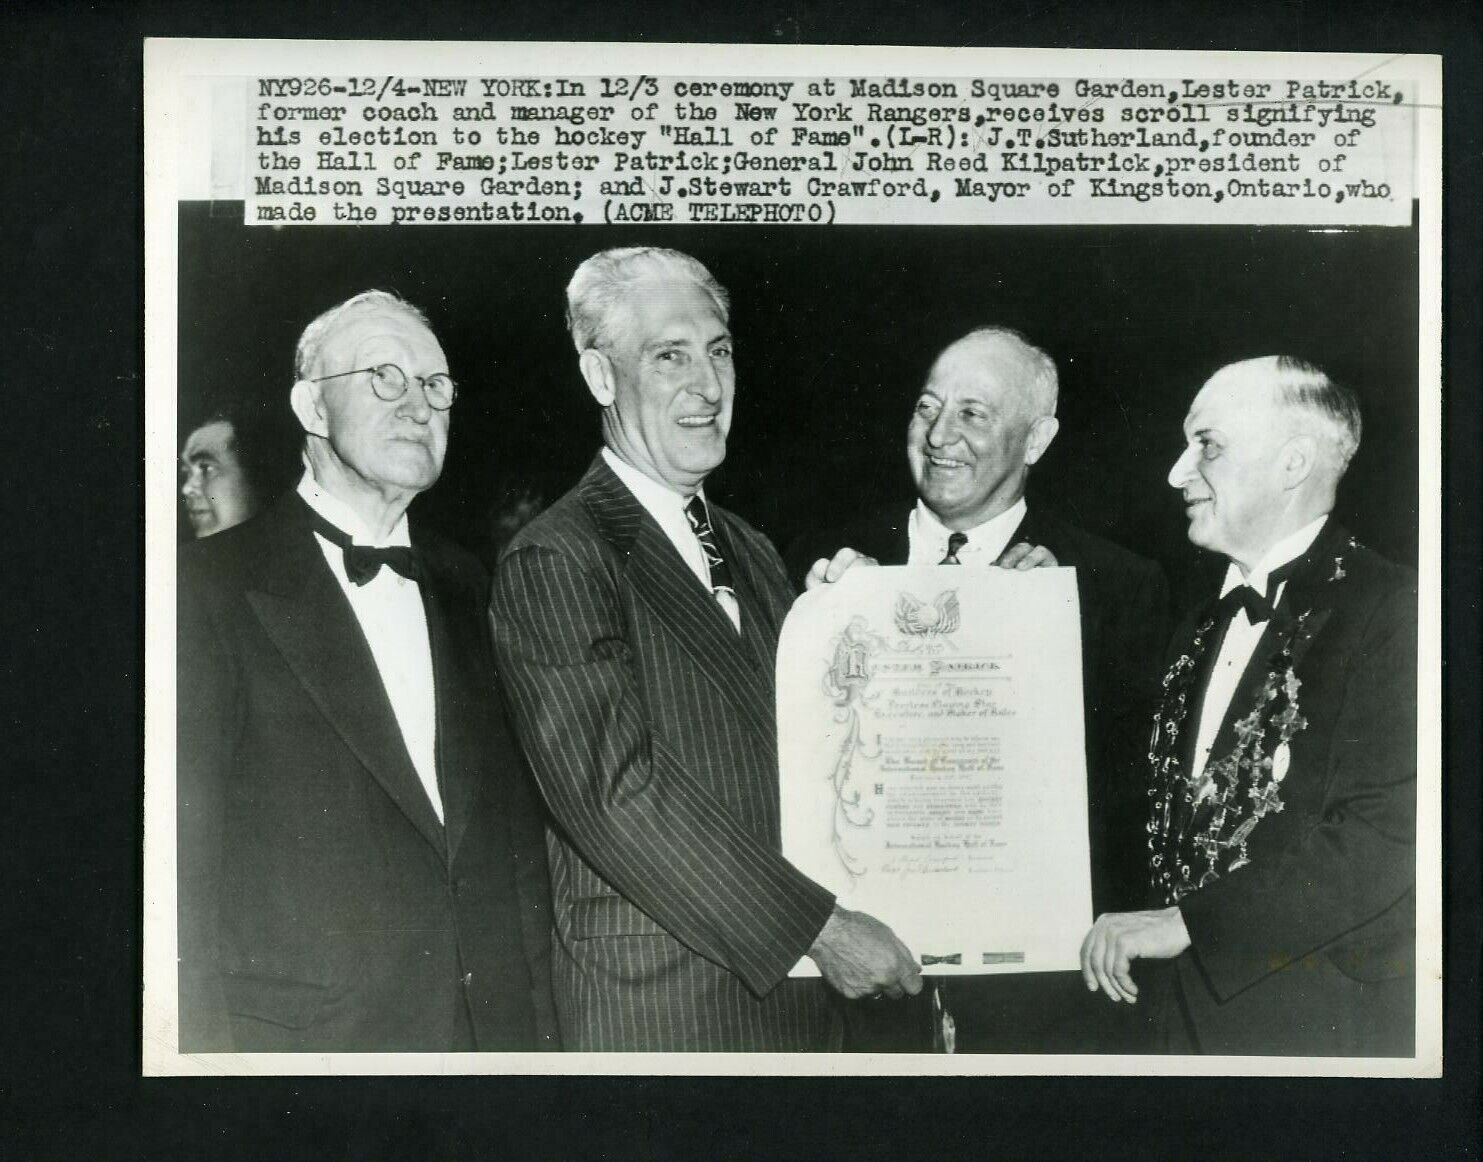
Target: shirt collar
(990, 538)
(649, 492)
(1289, 548)
(346, 519)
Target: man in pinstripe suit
(636, 627)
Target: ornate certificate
(932, 760)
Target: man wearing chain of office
(1281, 837)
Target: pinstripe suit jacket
(650, 724)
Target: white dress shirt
(1242, 637)
(927, 536)
(667, 507)
(391, 615)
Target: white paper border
(173, 163)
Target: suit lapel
(1304, 594)
(894, 544)
(764, 607)
(1308, 591)
(881, 534)
(1243, 700)
(1040, 528)
(1029, 529)
(1199, 686)
(676, 598)
(308, 619)
(1184, 743)
(762, 610)
(457, 687)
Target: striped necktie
(700, 521)
(955, 541)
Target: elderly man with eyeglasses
(360, 857)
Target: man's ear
(597, 370)
(1042, 432)
(1298, 460)
(308, 404)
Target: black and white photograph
(908, 576)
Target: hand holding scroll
(860, 957)
(827, 571)
(1024, 556)
(1119, 938)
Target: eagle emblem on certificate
(940, 616)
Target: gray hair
(312, 341)
(601, 285)
(1333, 407)
(1043, 387)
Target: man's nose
(414, 403)
(942, 431)
(708, 384)
(191, 484)
(1183, 467)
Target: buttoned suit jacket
(322, 906)
(1124, 612)
(650, 725)
(1309, 948)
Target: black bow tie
(363, 562)
(1258, 608)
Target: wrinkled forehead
(213, 439)
(993, 369)
(379, 333)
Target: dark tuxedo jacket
(1124, 602)
(1309, 948)
(650, 725)
(322, 906)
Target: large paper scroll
(933, 770)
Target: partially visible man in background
(215, 481)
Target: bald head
(307, 355)
(1267, 441)
(985, 416)
(1025, 369)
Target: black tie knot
(955, 541)
(363, 562)
(700, 522)
(1258, 608)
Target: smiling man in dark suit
(636, 624)
(1282, 842)
(984, 418)
(360, 862)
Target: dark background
(836, 329)
(73, 679)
